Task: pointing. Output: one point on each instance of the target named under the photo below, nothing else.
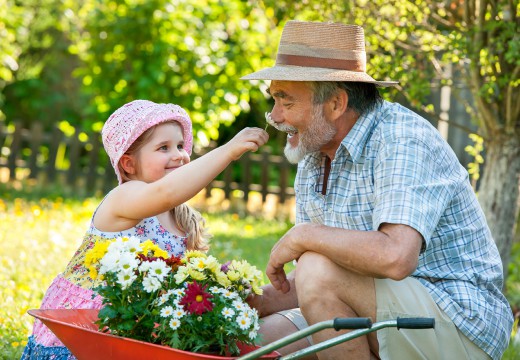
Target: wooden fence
(76, 161)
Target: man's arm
(391, 252)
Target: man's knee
(316, 276)
(321, 283)
(312, 272)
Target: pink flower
(196, 300)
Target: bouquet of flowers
(192, 303)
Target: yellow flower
(92, 272)
(194, 253)
(222, 279)
(198, 263)
(233, 275)
(257, 289)
(181, 275)
(149, 247)
(196, 275)
(96, 253)
(212, 264)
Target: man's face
(305, 123)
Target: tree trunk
(499, 192)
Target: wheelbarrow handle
(408, 323)
(338, 324)
(361, 326)
(415, 323)
(352, 323)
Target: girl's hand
(248, 139)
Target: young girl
(149, 146)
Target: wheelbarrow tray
(78, 332)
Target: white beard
(319, 133)
(294, 155)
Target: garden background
(66, 65)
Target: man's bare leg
(326, 291)
(276, 326)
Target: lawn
(38, 237)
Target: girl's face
(163, 153)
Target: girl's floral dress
(72, 289)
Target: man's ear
(128, 164)
(338, 104)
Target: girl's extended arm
(135, 200)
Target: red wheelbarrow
(78, 332)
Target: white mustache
(284, 128)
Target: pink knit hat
(128, 122)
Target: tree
(414, 41)
(79, 61)
(188, 52)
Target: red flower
(196, 300)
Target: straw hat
(315, 51)
(131, 120)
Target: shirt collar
(358, 136)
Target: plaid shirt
(394, 167)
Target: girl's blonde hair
(186, 218)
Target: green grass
(38, 236)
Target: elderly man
(387, 223)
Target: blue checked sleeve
(410, 186)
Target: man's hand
(288, 248)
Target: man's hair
(362, 97)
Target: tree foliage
(82, 60)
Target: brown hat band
(309, 61)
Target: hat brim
(299, 73)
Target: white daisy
(178, 292)
(162, 299)
(109, 262)
(145, 266)
(159, 269)
(229, 294)
(128, 262)
(228, 312)
(151, 283)
(175, 323)
(214, 290)
(179, 312)
(132, 244)
(239, 305)
(125, 279)
(243, 322)
(116, 246)
(166, 311)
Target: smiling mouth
(291, 133)
(284, 128)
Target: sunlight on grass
(37, 240)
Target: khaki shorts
(443, 342)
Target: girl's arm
(133, 201)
